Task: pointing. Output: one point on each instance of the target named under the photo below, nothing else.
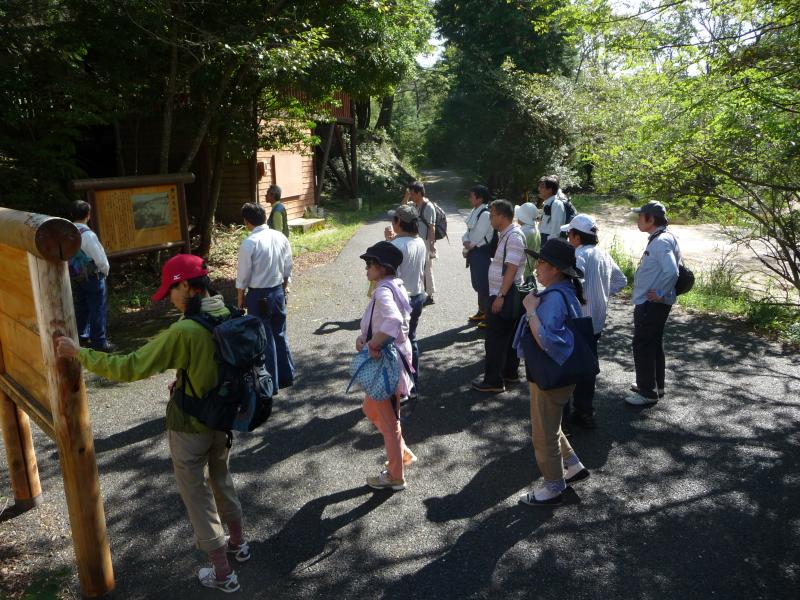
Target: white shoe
(575, 473)
(659, 391)
(209, 579)
(639, 400)
(541, 497)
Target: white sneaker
(241, 554)
(639, 400)
(660, 392)
(209, 579)
(383, 481)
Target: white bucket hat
(526, 213)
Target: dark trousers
(543, 237)
(416, 310)
(501, 358)
(479, 261)
(583, 395)
(91, 310)
(269, 304)
(649, 320)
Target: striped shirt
(602, 279)
(511, 245)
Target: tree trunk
(118, 150)
(385, 116)
(169, 100)
(207, 217)
(210, 110)
(363, 113)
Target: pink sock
(236, 535)
(220, 561)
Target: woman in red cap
(188, 347)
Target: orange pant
(384, 418)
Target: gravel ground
(696, 497)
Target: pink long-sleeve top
(389, 318)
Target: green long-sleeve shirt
(184, 345)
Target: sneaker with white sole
(635, 399)
(574, 473)
(660, 392)
(241, 553)
(542, 497)
(384, 482)
(209, 579)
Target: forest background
(695, 104)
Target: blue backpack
(241, 400)
(81, 267)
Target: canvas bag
(581, 364)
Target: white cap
(583, 223)
(526, 213)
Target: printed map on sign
(139, 217)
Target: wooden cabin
(296, 173)
(135, 148)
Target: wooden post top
(114, 183)
(50, 238)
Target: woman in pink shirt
(385, 321)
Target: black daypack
(685, 280)
(441, 221)
(241, 400)
(569, 210)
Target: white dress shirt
(91, 245)
(479, 228)
(551, 224)
(265, 259)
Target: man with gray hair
(653, 297)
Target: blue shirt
(558, 341)
(658, 268)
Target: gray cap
(406, 213)
(653, 208)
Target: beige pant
(430, 284)
(200, 461)
(549, 443)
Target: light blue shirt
(658, 268)
(557, 339)
(602, 279)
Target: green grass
(624, 260)
(588, 203)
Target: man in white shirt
(505, 272)
(88, 271)
(427, 231)
(602, 279)
(263, 271)
(553, 211)
(404, 234)
(477, 240)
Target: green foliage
(623, 259)
(506, 115)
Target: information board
(138, 214)
(138, 217)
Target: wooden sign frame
(114, 212)
(59, 404)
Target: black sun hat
(560, 254)
(385, 254)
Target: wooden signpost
(35, 309)
(132, 215)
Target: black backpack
(569, 210)
(685, 275)
(441, 221)
(241, 400)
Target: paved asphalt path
(695, 498)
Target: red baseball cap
(179, 268)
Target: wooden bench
(304, 225)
